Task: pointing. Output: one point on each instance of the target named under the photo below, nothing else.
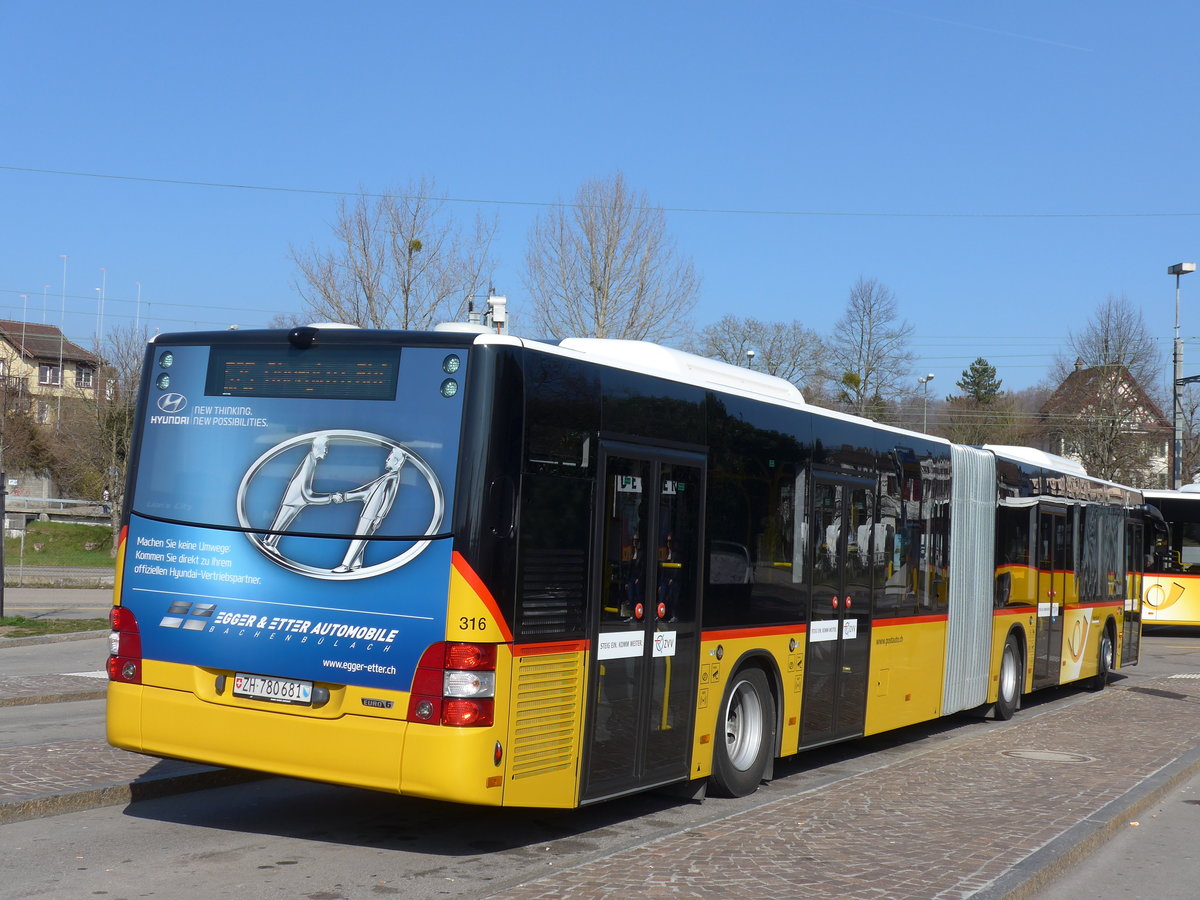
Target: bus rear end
(286, 565)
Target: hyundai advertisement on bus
(272, 483)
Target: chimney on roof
(1079, 364)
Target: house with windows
(1102, 417)
(39, 367)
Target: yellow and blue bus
(498, 571)
(1172, 582)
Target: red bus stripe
(765, 631)
(909, 620)
(545, 649)
(1031, 608)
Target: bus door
(839, 630)
(1053, 563)
(645, 619)
(1132, 631)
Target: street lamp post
(924, 382)
(1176, 410)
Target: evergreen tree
(979, 382)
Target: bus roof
(1041, 458)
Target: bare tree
(868, 351)
(965, 420)
(1103, 411)
(603, 266)
(787, 350)
(22, 444)
(1116, 335)
(1189, 406)
(95, 433)
(399, 261)
(982, 413)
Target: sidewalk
(993, 814)
(66, 776)
(998, 815)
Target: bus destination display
(325, 373)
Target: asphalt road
(279, 837)
(58, 603)
(18, 575)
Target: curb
(142, 788)
(1043, 867)
(61, 697)
(51, 638)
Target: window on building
(85, 376)
(50, 374)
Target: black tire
(745, 735)
(1105, 659)
(1008, 691)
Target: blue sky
(1001, 167)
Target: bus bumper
(454, 764)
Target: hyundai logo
(395, 481)
(172, 403)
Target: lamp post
(924, 382)
(1176, 411)
(750, 359)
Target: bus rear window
(329, 373)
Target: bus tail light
(124, 647)
(455, 684)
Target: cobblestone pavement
(991, 815)
(25, 690)
(63, 776)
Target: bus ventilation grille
(547, 710)
(552, 588)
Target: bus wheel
(1104, 662)
(746, 726)
(1008, 695)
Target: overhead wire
(491, 201)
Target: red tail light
(455, 684)
(124, 647)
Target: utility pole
(3, 514)
(1176, 409)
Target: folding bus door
(837, 661)
(1053, 541)
(645, 624)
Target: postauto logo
(379, 497)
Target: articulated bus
(1172, 580)
(490, 570)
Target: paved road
(58, 603)
(18, 575)
(961, 808)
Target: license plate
(277, 690)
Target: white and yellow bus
(1171, 592)
(497, 571)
